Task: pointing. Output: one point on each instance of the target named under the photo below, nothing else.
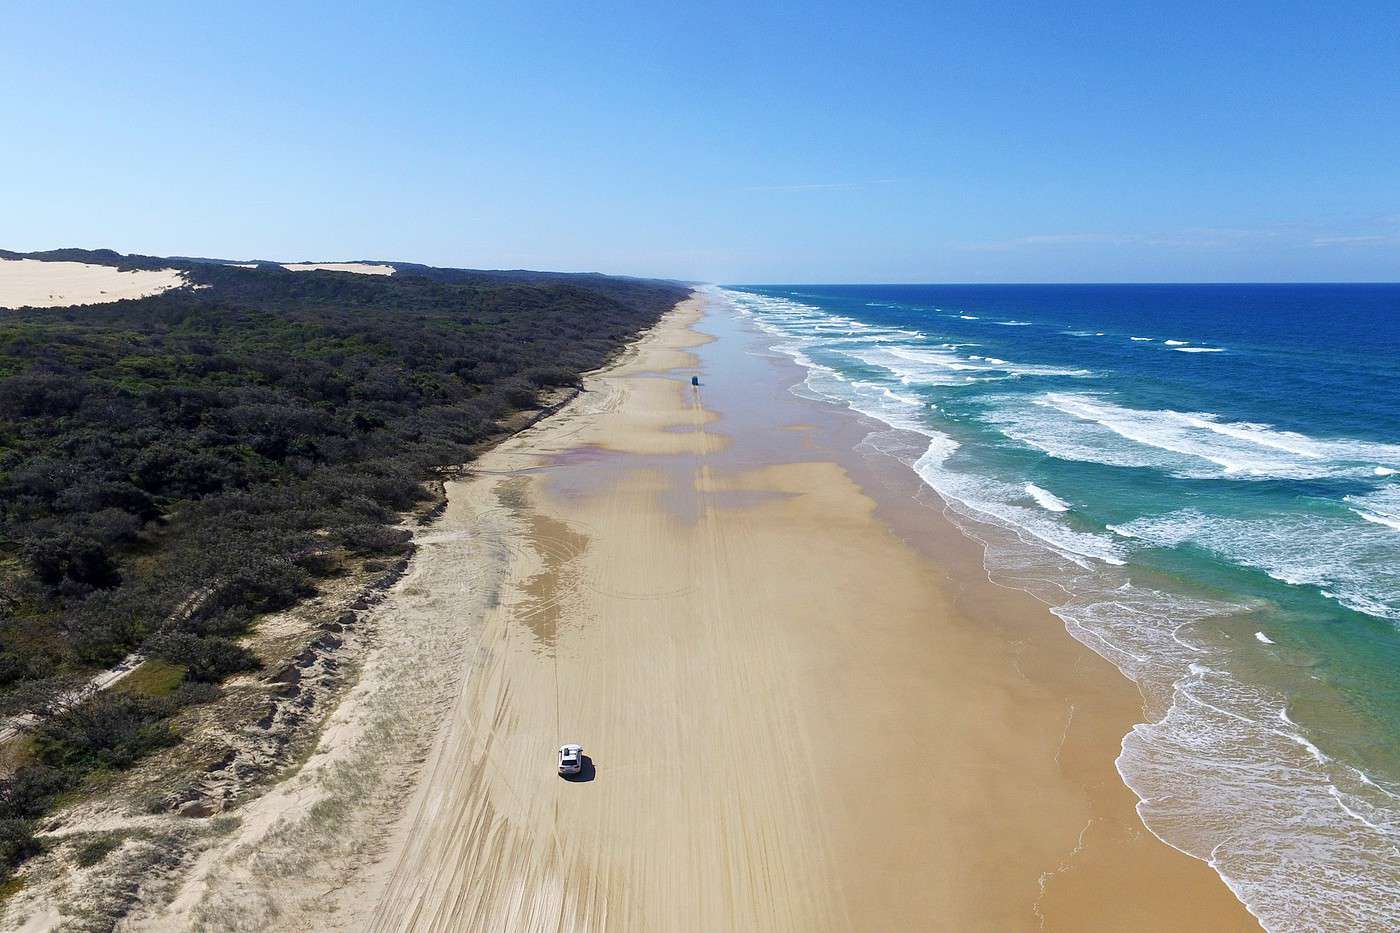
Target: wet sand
(804, 704)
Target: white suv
(570, 759)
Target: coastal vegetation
(174, 466)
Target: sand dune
(364, 268)
(38, 284)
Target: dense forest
(171, 467)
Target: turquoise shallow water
(1204, 482)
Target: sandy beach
(36, 284)
(804, 704)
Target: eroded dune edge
(796, 717)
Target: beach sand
(804, 704)
(37, 284)
(799, 715)
(364, 268)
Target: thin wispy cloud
(825, 186)
(1055, 239)
(1377, 239)
(1291, 234)
(1068, 239)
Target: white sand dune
(38, 284)
(364, 268)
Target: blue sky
(739, 142)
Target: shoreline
(1031, 826)
(806, 704)
(1254, 756)
(1114, 849)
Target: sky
(739, 142)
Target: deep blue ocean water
(1204, 482)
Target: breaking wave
(1094, 429)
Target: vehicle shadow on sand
(586, 772)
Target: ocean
(1203, 483)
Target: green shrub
(519, 396)
(545, 376)
(95, 850)
(17, 843)
(108, 730)
(155, 677)
(206, 659)
(72, 558)
(375, 539)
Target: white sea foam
(989, 499)
(1046, 499)
(929, 368)
(1199, 349)
(1141, 339)
(1093, 428)
(1300, 837)
(1350, 562)
(1265, 639)
(916, 364)
(1014, 323)
(926, 366)
(1384, 471)
(994, 501)
(1381, 507)
(1176, 343)
(1386, 520)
